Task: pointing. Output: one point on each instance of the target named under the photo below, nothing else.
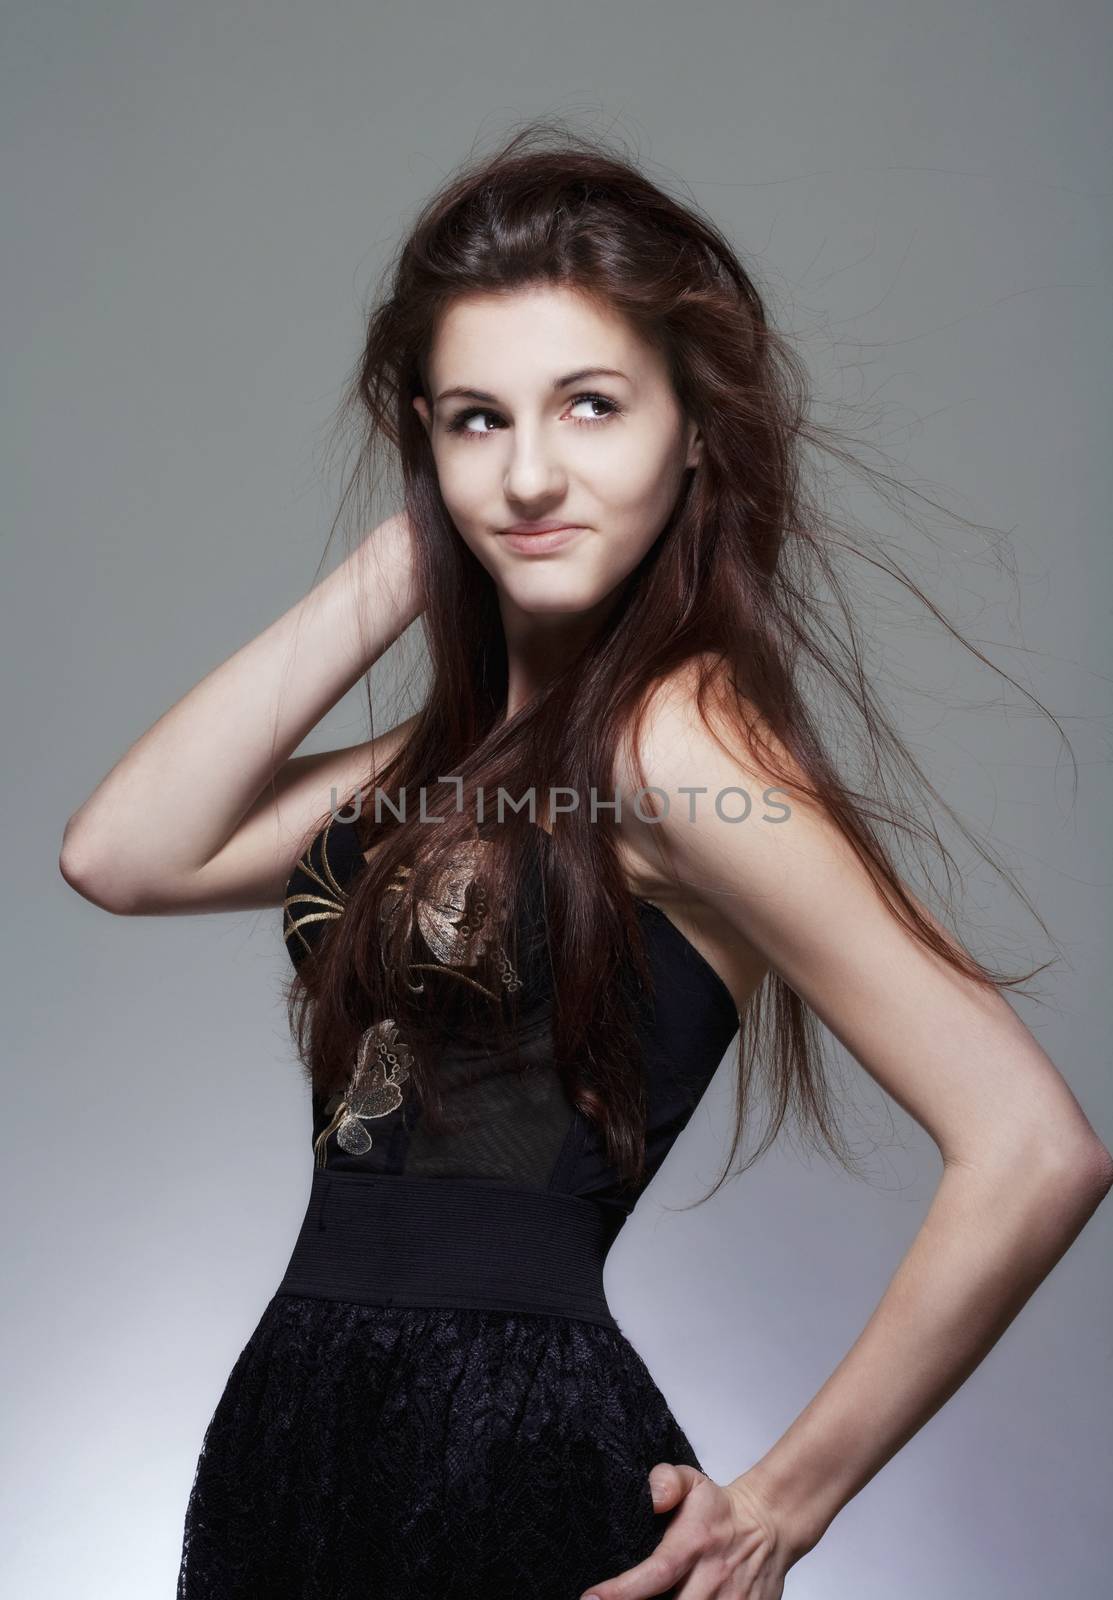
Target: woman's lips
(538, 543)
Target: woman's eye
(463, 422)
(594, 400)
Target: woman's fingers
(695, 1499)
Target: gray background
(196, 198)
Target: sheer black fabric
(520, 1125)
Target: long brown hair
(744, 581)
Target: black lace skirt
(392, 1452)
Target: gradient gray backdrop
(196, 198)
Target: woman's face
(524, 430)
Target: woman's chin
(552, 604)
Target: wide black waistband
(399, 1241)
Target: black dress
(437, 1400)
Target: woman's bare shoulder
(694, 708)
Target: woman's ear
(423, 411)
(695, 446)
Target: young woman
(507, 1017)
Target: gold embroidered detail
(452, 919)
(333, 898)
(383, 1062)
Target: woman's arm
(1023, 1168)
(994, 1230)
(185, 820)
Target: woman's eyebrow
(558, 383)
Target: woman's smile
(540, 543)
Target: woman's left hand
(722, 1543)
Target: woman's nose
(533, 470)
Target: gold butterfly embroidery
(453, 921)
(452, 918)
(383, 1062)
